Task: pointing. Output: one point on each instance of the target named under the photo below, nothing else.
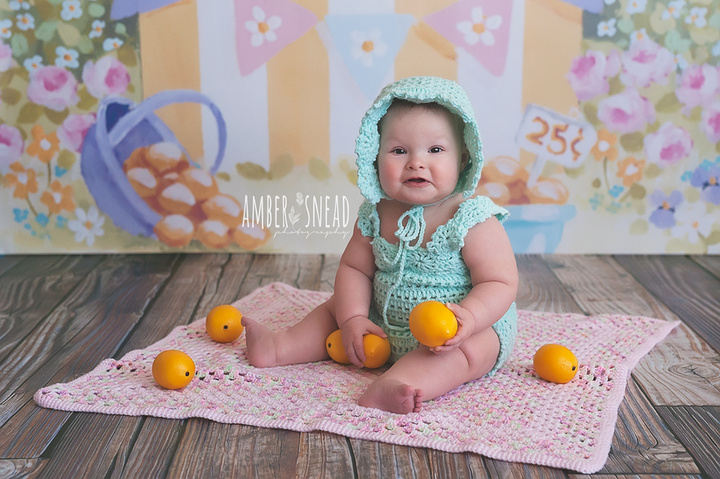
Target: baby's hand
(466, 328)
(353, 331)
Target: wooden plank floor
(61, 315)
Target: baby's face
(421, 155)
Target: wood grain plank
(21, 468)
(329, 270)
(642, 443)
(31, 290)
(322, 456)
(682, 369)
(87, 327)
(699, 430)
(636, 476)
(258, 446)
(710, 263)
(540, 290)
(688, 290)
(502, 470)
(8, 262)
(70, 460)
(194, 280)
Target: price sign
(554, 137)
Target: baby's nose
(416, 162)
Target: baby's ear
(464, 158)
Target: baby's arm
(489, 256)
(353, 295)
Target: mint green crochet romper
(407, 273)
(434, 272)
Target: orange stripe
(170, 55)
(299, 97)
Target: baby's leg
(422, 375)
(302, 343)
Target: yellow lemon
(173, 369)
(432, 323)
(223, 323)
(555, 363)
(335, 347)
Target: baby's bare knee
(481, 351)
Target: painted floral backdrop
(630, 164)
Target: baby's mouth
(416, 181)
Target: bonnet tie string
(413, 229)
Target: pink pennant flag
(480, 27)
(264, 27)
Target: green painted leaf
(319, 169)
(56, 117)
(590, 112)
(705, 35)
(596, 183)
(66, 159)
(717, 146)
(616, 86)
(251, 171)
(626, 25)
(87, 101)
(714, 20)
(120, 28)
(6, 77)
(126, 54)
(29, 113)
(652, 171)
(46, 31)
(713, 238)
(69, 34)
(45, 9)
(222, 176)
(19, 45)
(639, 227)
(696, 114)
(352, 177)
(282, 165)
(632, 142)
(675, 43)
(85, 45)
(56, 2)
(668, 104)
(637, 191)
(652, 127)
(10, 96)
(96, 10)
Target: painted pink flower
(106, 77)
(53, 87)
(626, 112)
(646, 62)
(11, 146)
(668, 145)
(73, 130)
(710, 122)
(589, 73)
(6, 59)
(700, 85)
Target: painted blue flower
(616, 190)
(42, 219)
(66, 57)
(708, 180)
(686, 176)
(59, 172)
(20, 215)
(663, 216)
(33, 63)
(61, 221)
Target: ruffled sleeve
(471, 212)
(368, 219)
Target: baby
(420, 235)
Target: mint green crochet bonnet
(417, 90)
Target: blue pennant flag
(368, 45)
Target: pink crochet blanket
(512, 416)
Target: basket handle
(164, 98)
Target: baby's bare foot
(393, 396)
(261, 350)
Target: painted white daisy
(96, 28)
(693, 220)
(33, 63)
(636, 6)
(66, 57)
(673, 9)
(71, 10)
(607, 29)
(110, 44)
(367, 45)
(479, 29)
(261, 27)
(5, 26)
(16, 5)
(25, 21)
(697, 17)
(638, 35)
(87, 225)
